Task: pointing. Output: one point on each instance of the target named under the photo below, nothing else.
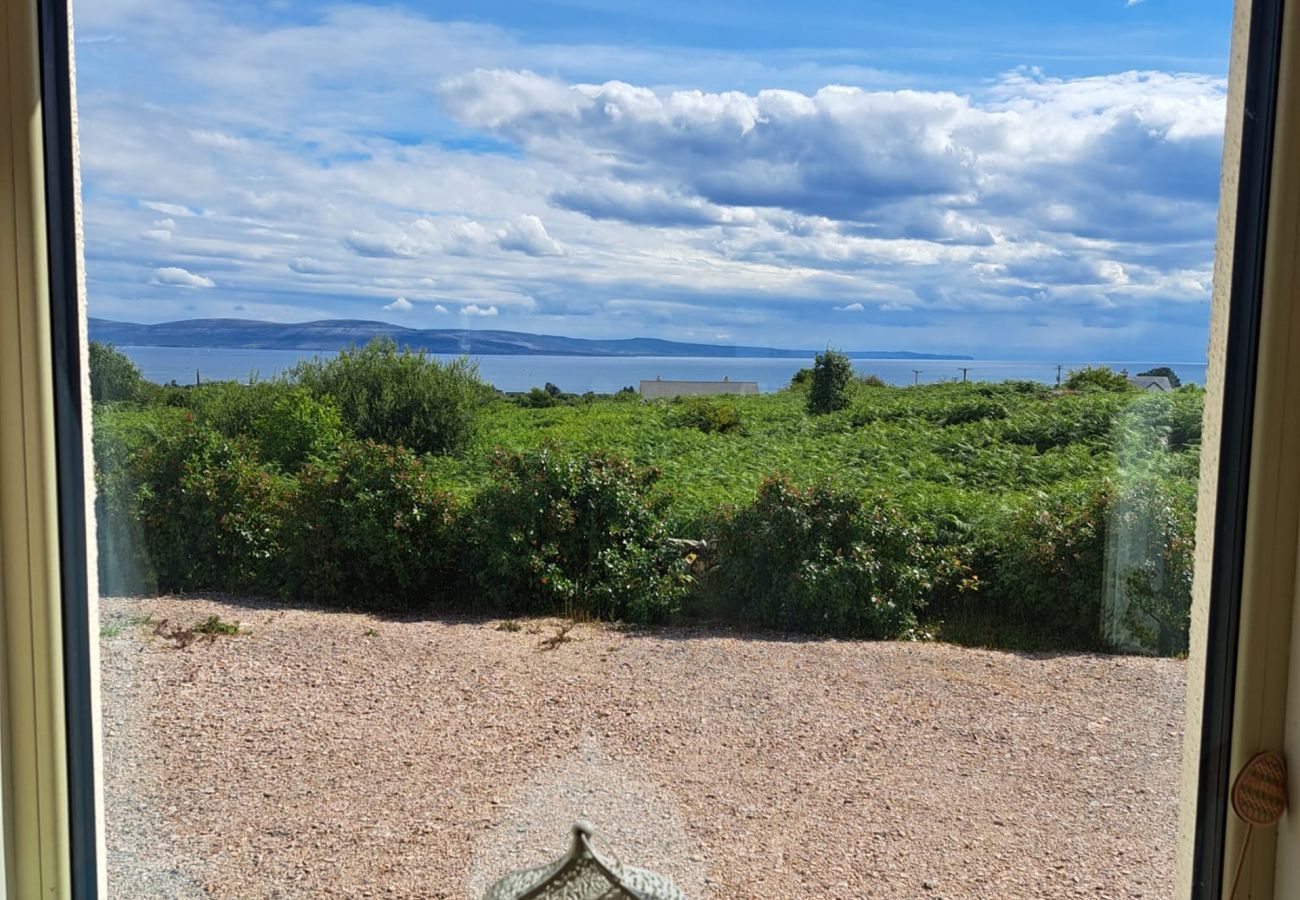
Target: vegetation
(828, 388)
(113, 376)
(575, 533)
(369, 528)
(1097, 378)
(400, 397)
(821, 559)
(1007, 513)
(709, 416)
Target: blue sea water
(609, 374)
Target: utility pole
(916, 376)
(964, 370)
(197, 382)
(1058, 374)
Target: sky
(1007, 180)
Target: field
(1004, 514)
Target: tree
(112, 375)
(1097, 378)
(831, 376)
(1158, 371)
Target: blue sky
(1014, 179)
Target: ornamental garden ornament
(584, 874)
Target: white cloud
(440, 309)
(494, 97)
(168, 209)
(401, 304)
(176, 276)
(467, 239)
(307, 265)
(220, 139)
(527, 234)
(555, 199)
(392, 245)
(1133, 2)
(852, 307)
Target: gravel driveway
(320, 753)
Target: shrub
(819, 559)
(831, 375)
(873, 381)
(706, 415)
(211, 514)
(538, 398)
(113, 376)
(286, 422)
(297, 428)
(1097, 378)
(400, 397)
(575, 534)
(801, 380)
(1046, 568)
(1159, 587)
(121, 436)
(369, 529)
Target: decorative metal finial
(584, 874)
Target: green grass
(213, 625)
(116, 625)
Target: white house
(660, 389)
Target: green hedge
(823, 560)
(368, 528)
(574, 534)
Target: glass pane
(766, 433)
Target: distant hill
(335, 334)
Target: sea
(605, 374)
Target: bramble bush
(211, 514)
(577, 534)
(400, 397)
(819, 559)
(369, 529)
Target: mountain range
(336, 334)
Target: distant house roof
(1150, 382)
(659, 388)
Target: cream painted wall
(1210, 445)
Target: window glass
(767, 433)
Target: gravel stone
(331, 754)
